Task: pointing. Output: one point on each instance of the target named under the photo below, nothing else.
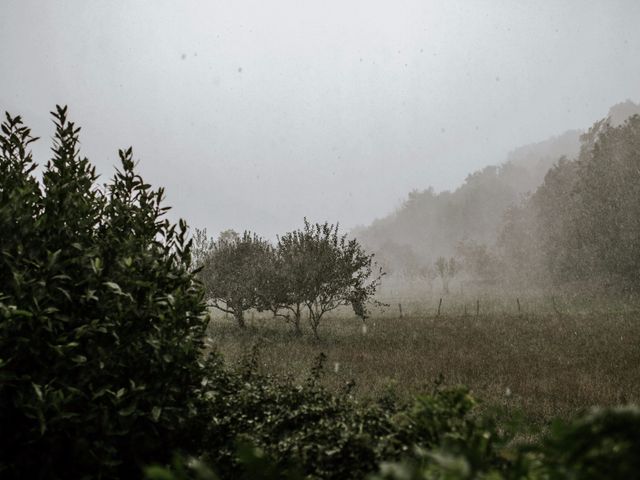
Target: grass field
(534, 366)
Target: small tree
(286, 291)
(325, 271)
(446, 270)
(235, 273)
(479, 262)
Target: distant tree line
(583, 223)
(311, 271)
(558, 213)
(580, 228)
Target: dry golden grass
(539, 366)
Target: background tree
(554, 204)
(327, 271)
(519, 247)
(446, 270)
(285, 289)
(235, 274)
(606, 220)
(479, 262)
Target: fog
(256, 114)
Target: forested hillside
(582, 225)
(432, 224)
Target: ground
(537, 366)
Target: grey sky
(254, 114)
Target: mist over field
(319, 240)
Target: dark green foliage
(600, 444)
(604, 443)
(101, 323)
(438, 438)
(306, 429)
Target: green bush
(101, 323)
(305, 428)
(603, 443)
(600, 444)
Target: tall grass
(540, 364)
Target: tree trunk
(297, 314)
(239, 316)
(314, 321)
(297, 331)
(314, 328)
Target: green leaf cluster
(101, 321)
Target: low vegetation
(528, 368)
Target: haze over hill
(256, 114)
(430, 224)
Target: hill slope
(430, 224)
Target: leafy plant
(101, 323)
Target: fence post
(439, 305)
(400, 308)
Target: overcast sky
(254, 114)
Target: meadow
(546, 358)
